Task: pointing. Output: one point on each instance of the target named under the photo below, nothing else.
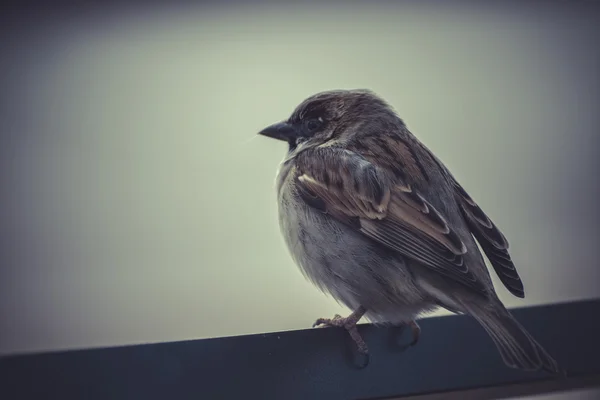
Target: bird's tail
(516, 346)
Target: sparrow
(374, 219)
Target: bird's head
(326, 116)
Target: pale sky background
(138, 205)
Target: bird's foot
(415, 330)
(349, 324)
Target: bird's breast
(339, 260)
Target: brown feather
(400, 219)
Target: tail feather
(516, 346)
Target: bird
(374, 219)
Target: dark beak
(280, 131)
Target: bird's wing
(358, 193)
(491, 240)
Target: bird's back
(414, 164)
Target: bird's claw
(337, 321)
(349, 324)
(416, 334)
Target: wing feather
(491, 240)
(361, 195)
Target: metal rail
(453, 359)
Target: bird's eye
(313, 124)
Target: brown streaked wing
(405, 222)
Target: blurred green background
(139, 205)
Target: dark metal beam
(454, 357)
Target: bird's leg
(348, 323)
(416, 332)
